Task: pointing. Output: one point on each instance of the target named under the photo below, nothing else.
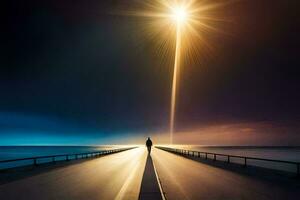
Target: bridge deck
(128, 174)
(116, 176)
(182, 178)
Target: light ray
(175, 77)
(188, 21)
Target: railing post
(205, 156)
(198, 154)
(215, 157)
(228, 159)
(245, 163)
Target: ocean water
(266, 152)
(16, 152)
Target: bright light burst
(180, 22)
(179, 14)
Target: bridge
(132, 174)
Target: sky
(76, 72)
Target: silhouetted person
(149, 144)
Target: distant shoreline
(246, 147)
(204, 146)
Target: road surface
(116, 176)
(123, 176)
(182, 178)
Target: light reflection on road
(116, 176)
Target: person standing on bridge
(149, 145)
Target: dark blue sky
(72, 69)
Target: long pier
(133, 174)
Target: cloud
(252, 133)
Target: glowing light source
(179, 14)
(192, 21)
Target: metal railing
(244, 159)
(60, 157)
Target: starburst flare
(182, 21)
